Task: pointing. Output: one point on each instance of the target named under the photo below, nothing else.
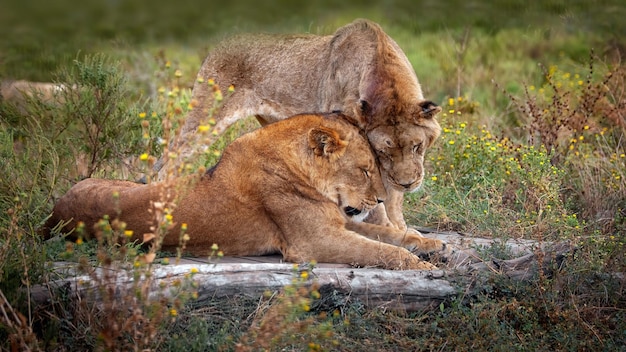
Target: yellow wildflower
(142, 115)
(143, 157)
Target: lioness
(359, 71)
(294, 187)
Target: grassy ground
(533, 147)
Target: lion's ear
(428, 109)
(364, 107)
(363, 111)
(326, 142)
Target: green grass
(532, 147)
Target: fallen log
(406, 290)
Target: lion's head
(345, 167)
(400, 147)
(385, 100)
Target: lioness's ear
(428, 109)
(325, 141)
(364, 107)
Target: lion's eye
(366, 173)
(417, 148)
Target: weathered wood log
(407, 290)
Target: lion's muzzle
(350, 211)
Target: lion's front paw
(424, 265)
(418, 244)
(415, 263)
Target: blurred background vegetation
(533, 146)
(38, 36)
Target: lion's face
(349, 174)
(400, 149)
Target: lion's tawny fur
(290, 187)
(359, 71)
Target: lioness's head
(346, 169)
(400, 147)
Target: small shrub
(286, 321)
(494, 183)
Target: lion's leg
(346, 247)
(378, 216)
(389, 213)
(317, 231)
(393, 206)
(410, 239)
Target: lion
(299, 187)
(359, 71)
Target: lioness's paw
(430, 245)
(418, 244)
(423, 265)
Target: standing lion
(358, 71)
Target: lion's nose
(379, 201)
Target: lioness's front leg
(389, 214)
(347, 247)
(393, 207)
(410, 239)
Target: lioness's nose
(379, 200)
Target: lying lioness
(359, 71)
(296, 187)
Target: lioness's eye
(417, 147)
(366, 173)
